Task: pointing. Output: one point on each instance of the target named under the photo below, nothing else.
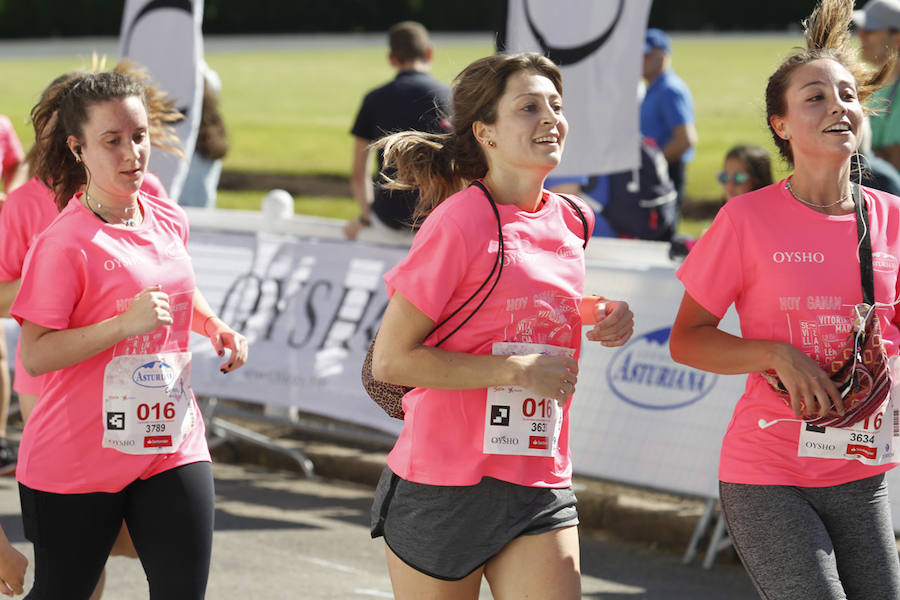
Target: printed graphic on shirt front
(542, 318)
(168, 338)
(820, 326)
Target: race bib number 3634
(517, 421)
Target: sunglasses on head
(736, 179)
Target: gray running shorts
(447, 532)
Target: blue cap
(656, 38)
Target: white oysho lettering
(798, 256)
(125, 261)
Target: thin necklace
(126, 221)
(787, 186)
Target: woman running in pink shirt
(107, 303)
(479, 481)
(806, 504)
(30, 208)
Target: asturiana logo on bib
(154, 374)
(643, 374)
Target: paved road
(279, 536)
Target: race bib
(147, 403)
(517, 421)
(872, 441)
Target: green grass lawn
(338, 208)
(291, 111)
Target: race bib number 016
(147, 403)
(517, 421)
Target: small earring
(491, 143)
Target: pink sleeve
(434, 267)
(14, 240)
(153, 186)
(52, 283)
(10, 147)
(712, 273)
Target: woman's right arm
(697, 341)
(400, 357)
(45, 350)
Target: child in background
(747, 168)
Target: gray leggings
(829, 543)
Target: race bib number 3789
(147, 403)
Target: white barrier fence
(310, 302)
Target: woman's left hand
(615, 323)
(223, 337)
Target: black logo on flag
(569, 56)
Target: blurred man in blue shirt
(667, 111)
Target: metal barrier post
(691, 553)
(220, 430)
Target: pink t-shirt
(536, 301)
(792, 274)
(28, 210)
(11, 151)
(78, 272)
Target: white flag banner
(599, 47)
(165, 37)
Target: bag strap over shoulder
(865, 246)
(497, 268)
(587, 234)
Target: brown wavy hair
(62, 111)
(827, 33)
(439, 165)
(212, 138)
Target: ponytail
(827, 36)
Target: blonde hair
(439, 165)
(827, 33)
